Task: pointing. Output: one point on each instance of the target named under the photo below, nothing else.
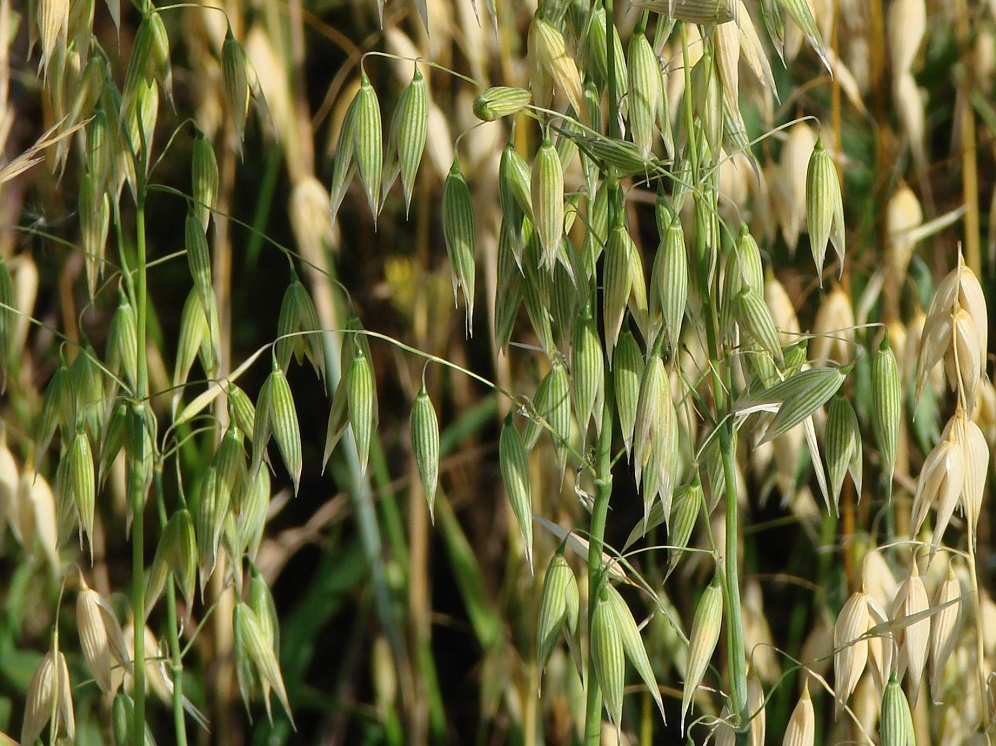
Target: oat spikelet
(945, 626)
(801, 728)
(850, 646)
(912, 639)
(706, 626)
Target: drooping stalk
(599, 512)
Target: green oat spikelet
(360, 400)
(843, 446)
(627, 374)
(608, 655)
(406, 140)
(559, 606)
(368, 143)
(460, 234)
(706, 626)
(587, 372)
(548, 201)
(500, 101)
(203, 178)
(424, 428)
(896, 724)
(515, 473)
(824, 207)
(887, 407)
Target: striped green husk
(99, 153)
(122, 342)
(536, 296)
(140, 62)
(344, 165)
(548, 201)
(199, 260)
(683, 183)
(515, 473)
(288, 342)
(565, 297)
(896, 725)
(205, 529)
(608, 656)
(771, 13)
(646, 91)
(669, 280)
(627, 374)
(251, 515)
(597, 226)
(241, 409)
(618, 281)
(81, 482)
(654, 443)
(179, 545)
(802, 14)
(283, 418)
(553, 406)
(406, 140)
(685, 509)
(95, 216)
(706, 626)
(368, 143)
(801, 395)
(230, 462)
(233, 70)
(559, 605)
(596, 52)
(514, 189)
(113, 441)
(253, 643)
(755, 318)
(749, 260)
(424, 429)
(193, 329)
(588, 372)
(509, 293)
(621, 155)
(824, 207)
(460, 234)
(360, 397)
(500, 101)
(262, 425)
(696, 11)
(203, 178)
(633, 644)
(843, 446)
(56, 411)
(159, 58)
(887, 406)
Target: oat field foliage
(497, 372)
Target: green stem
(731, 572)
(599, 512)
(734, 620)
(176, 663)
(610, 65)
(172, 633)
(136, 480)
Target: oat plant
(664, 273)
